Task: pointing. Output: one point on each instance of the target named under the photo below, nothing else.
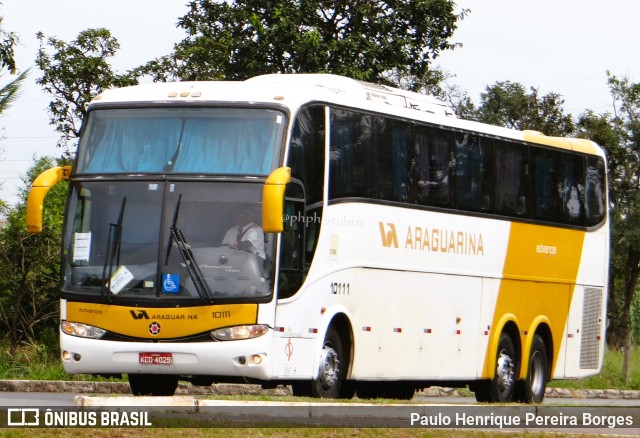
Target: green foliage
(30, 267)
(508, 104)
(620, 136)
(371, 40)
(10, 92)
(31, 361)
(74, 73)
(8, 41)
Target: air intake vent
(591, 328)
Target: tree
(508, 104)
(74, 74)
(30, 265)
(8, 41)
(624, 194)
(10, 91)
(457, 98)
(371, 40)
(605, 130)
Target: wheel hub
(505, 372)
(537, 373)
(329, 367)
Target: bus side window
(595, 191)
(573, 195)
(350, 171)
(474, 187)
(390, 145)
(306, 151)
(435, 162)
(306, 160)
(511, 170)
(548, 185)
(292, 251)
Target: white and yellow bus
(399, 247)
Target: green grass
(37, 362)
(611, 375)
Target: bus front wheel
(153, 384)
(334, 362)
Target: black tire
(153, 384)
(482, 391)
(334, 364)
(537, 374)
(504, 381)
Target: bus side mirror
(273, 200)
(39, 189)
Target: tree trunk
(632, 271)
(626, 361)
(613, 330)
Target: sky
(561, 46)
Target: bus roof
(294, 90)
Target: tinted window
(595, 191)
(573, 189)
(306, 153)
(349, 154)
(511, 170)
(391, 140)
(435, 162)
(371, 157)
(474, 183)
(548, 185)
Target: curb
(86, 387)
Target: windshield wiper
(187, 256)
(113, 252)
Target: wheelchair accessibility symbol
(170, 283)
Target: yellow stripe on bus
(572, 144)
(539, 276)
(169, 322)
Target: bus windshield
(166, 240)
(182, 140)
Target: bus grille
(591, 328)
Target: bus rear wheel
(153, 384)
(535, 383)
(334, 362)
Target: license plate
(156, 358)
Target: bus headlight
(82, 330)
(240, 332)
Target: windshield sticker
(170, 283)
(81, 246)
(120, 279)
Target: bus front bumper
(245, 358)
